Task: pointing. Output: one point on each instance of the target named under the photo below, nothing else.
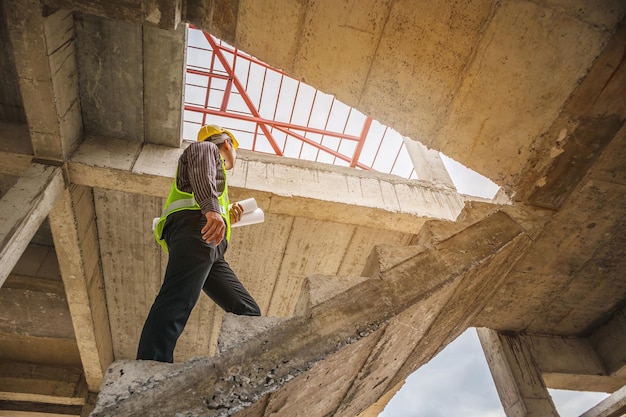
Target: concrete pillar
(427, 163)
(163, 118)
(45, 58)
(518, 380)
(73, 226)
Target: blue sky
(457, 382)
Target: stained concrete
(529, 94)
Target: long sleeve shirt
(200, 172)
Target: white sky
(457, 382)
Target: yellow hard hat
(207, 131)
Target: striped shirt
(200, 172)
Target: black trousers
(193, 266)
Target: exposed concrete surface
(237, 329)
(528, 93)
(262, 364)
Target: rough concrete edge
(124, 378)
(237, 329)
(318, 288)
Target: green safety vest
(180, 200)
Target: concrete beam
(613, 406)
(474, 293)
(45, 56)
(31, 409)
(22, 210)
(516, 375)
(427, 163)
(375, 409)
(165, 14)
(584, 145)
(73, 225)
(533, 39)
(163, 84)
(44, 350)
(364, 199)
(263, 363)
(571, 363)
(588, 122)
(14, 164)
(16, 150)
(27, 382)
(35, 313)
(609, 340)
(45, 285)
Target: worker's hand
(236, 211)
(214, 228)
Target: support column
(163, 118)
(73, 224)
(427, 163)
(518, 380)
(45, 58)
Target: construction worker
(195, 229)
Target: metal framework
(271, 112)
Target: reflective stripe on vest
(178, 204)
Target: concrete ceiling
(530, 94)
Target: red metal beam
(269, 122)
(322, 147)
(217, 51)
(359, 146)
(267, 125)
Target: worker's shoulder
(202, 147)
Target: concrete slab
(260, 41)
(482, 127)
(114, 153)
(326, 46)
(157, 160)
(419, 62)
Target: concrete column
(427, 163)
(44, 52)
(163, 117)
(516, 375)
(73, 225)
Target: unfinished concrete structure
(363, 281)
